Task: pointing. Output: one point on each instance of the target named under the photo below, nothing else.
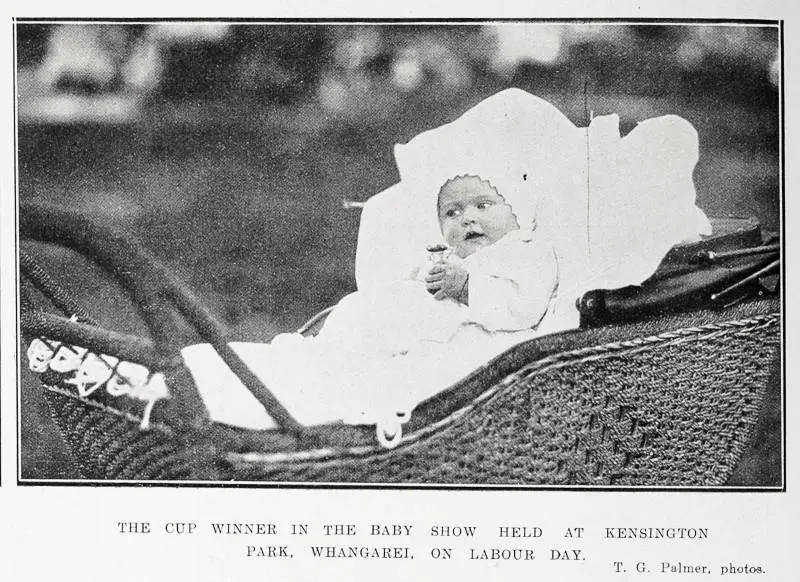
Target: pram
(661, 386)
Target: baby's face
(473, 215)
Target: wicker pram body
(662, 389)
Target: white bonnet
(520, 143)
(512, 139)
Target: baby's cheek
(451, 236)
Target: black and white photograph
(424, 254)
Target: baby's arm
(511, 289)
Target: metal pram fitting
(661, 386)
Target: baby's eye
(452, 212)
(483, 205)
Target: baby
(391, 346)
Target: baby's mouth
(472, 235)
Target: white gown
(385, 349)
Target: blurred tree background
(227, 150)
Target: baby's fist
(449, 279)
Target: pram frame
(214, 452)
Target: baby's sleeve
(511, 285)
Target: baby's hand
(449, 279)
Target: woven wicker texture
(107, 445)
(675, 406)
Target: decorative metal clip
(92, 372)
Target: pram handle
(154, 291)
